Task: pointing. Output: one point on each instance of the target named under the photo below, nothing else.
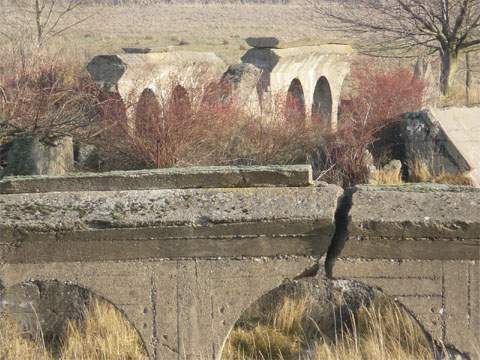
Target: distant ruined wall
(183, 252)
(266, 72)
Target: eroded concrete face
(130, 74)
(184, 263)
(257, 84)
(176, 178)
(421, 245)
(306, 64)
(444, 140)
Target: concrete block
(414, 222)
(427, 310)
(174, 178)
(459, 329)
(90, 226)
(351, 267)
(34, 156)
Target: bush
(378, 99)
(201, 128)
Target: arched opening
(322, 102)
(304, 318)
(147, 115)
(48, 319)
(295, 102)
(179, 106)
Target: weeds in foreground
(381, 330)
(386, 177)
(103, 335)
(420, 173)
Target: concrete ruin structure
(183, 252)
(310, 75)
(444, 140)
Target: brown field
(220, 28)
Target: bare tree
(447, 28)
(47, 18)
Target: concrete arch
(295, 102)
(322, 106)
(52, 303)
(325, 312)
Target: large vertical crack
(344, 205)
(153, 300)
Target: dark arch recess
(51, 306)
(322, 102)
(147, 115)
(179, 105)
(295, 102)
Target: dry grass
(386, 177)
(104, 335)
(13, 345)
(379, 331)
(420, 173)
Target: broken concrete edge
(172, 178)
(277, 43)
(179, 223)
(411, 222)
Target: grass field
(220, 28)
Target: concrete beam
(174, 178)
(124, 225)
(414, 222)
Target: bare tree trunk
(38, 23)
(468, 77)
(449, 67)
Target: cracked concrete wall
(421, 245)
(184, 263)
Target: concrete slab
(462, 127)
(414, 222)
(173, 178)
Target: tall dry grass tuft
(104, 334)
(14, 345)
(281, 337)
(421, 173)
(382, 330)
(386, 177)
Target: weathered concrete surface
(420, 244)
(308, 64)
(44, 308)
(183, 309)
(130, 74)
(445, 140)
(184, 263)
(167, 223)
(175, 178)
(462, 127)
(278, 43)
(414, 222)
(33, 156)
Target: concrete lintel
(174, 178)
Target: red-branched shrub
(203, 127)
(52, 98)
(378, 100)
